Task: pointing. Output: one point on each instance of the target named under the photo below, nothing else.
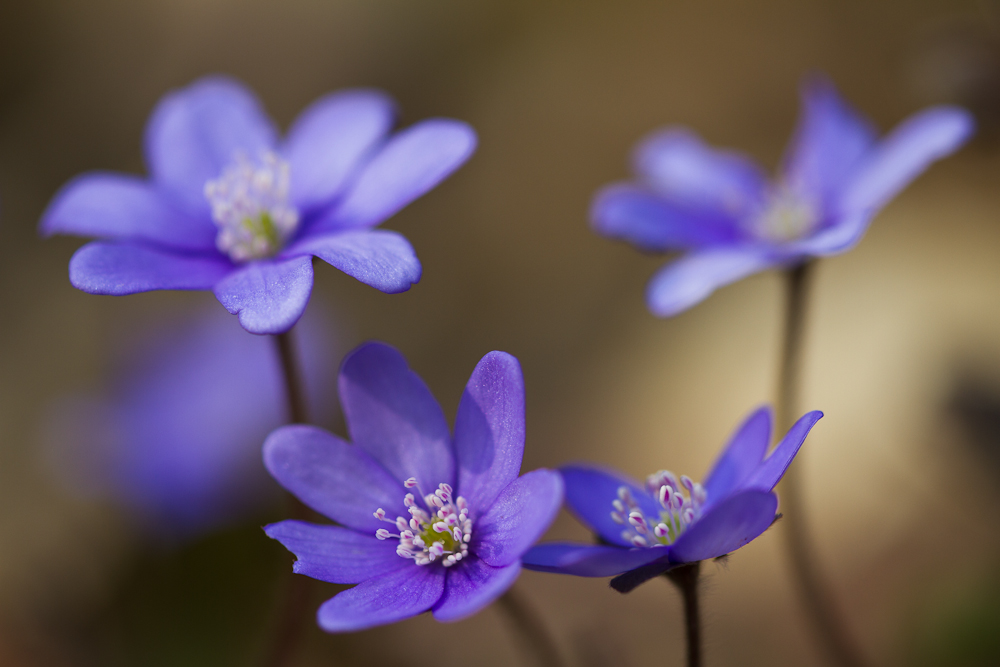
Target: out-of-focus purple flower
(648, 529)
(230, 207)
(176, 437)
(720, 208)
(427, 520)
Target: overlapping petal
(519, 517)
(126, 208)
(589, 560)
(770, 471)
(393, 416)
(392, 597)
(330, 140)
(128, 268)
(590, 490)
(268, 295)
(472, 586)
(654, 223)
(726, 527)
(333, 477)
(198, 130)
(741, 457)
(383, 259)
(489, 430)
(335, 554)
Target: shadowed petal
(411, 163)
(741, 456)
(333, 477)
(904, 154)
(471, 586)
(198, 130)
(589, 560)
(519, 517)
(677, 164)
(489, 430)
(268, 295)
(769, 473)
(125, 268)
(121, 207)
(830, 140)
(330, 139)
(726, 527)
(381, 600)
(335, 554)
(590, 490)
(652, 222)
(383, 259)
(690, 279)
(392, 415)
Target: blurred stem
(293, 602)
(815, 595)
(685, 578)
(531, 629)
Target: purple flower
(176, 437)
(721, 209)
(231, 208)
(646, 530)
(427, 520)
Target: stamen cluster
(250, 207)
(441, 530)
(786, 216)
(678, 510)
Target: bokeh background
(902, 477)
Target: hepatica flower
(427, 520)
(648, 529)
(721, 209)
(231, 207)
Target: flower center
(786, 216)
(440, 530)
(250, 207)
(678, 510)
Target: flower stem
(685, 578)
(294, 601)
(531, 629)
(815, 595)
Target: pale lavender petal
(829, 142)
(591, 489)
(741, 456)
(330, 139)
(411, 163)
(519, 517)
(381, 600)
(333, 477)
(121, 207)
(197, 131)
(489, 430)
(678, 165)
(335, 554)
(903, 155)
(126, 268)
(268, 295)
(690, 279)
(383, 259)
(471, 586)
(726, 527)
(589, 560)
(392, 415)
(769, 473)
(655, 223)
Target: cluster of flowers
(232, 208)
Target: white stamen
(677, 514)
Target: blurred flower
(720, 207)
(453, 546)
(232, 209)
(645, 531)
(176, 439)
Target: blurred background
(903, 351)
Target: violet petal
(128, 268)
(590, 492)
(335, 554)
(726, 527)
(380, 258)
(741, 456)
(589, 560)
(770, 471)
(268, 295)
(471, 586)
(519, 517)
(381, 600)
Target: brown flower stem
(685, 578)
(813, 590)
